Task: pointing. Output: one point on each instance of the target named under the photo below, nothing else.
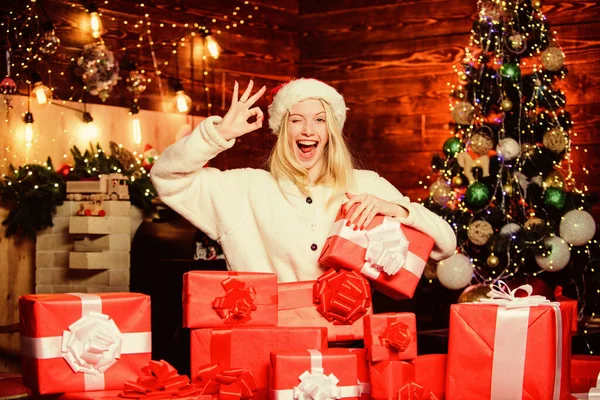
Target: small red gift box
(391, 336)
(390, 254)
(338, 301)
(364, 382)
(388, 377)
(116, 395)
(314, 374)
(518, 348)
(214, 299)
(430, 372)
(249, 349)
(584, 372)
(82, 342)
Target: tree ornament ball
(462, 76)
(457, 181)
(452, 146)
(510, 71)
(557, 257)
(463, 113)
(577, 227)
(440, 192)
(455, 272)
(510, 229)
(532, 222)
(474, 293)
(516, 43)
(493, 261)
(506, 104)
(480, 232)
(555, 197)
(136, 82)
(553, 58)
(64, 170)
(481, 143)
(507, 188)
(49, 43)
(430, 271)
(554, 179)
(555, 140)
(508, 149)
(477, 194)
(537, 4)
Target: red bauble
(64, 170)
(539, 286)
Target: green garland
(33, 192)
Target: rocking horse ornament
(478, 156)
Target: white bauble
(455, 272)
(510, 229)
(559, 256)
(508, 148)
(577, 227)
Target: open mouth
(307, 147)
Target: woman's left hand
(368, 207)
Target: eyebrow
(300, 115)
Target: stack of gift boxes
(254, 338)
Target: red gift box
(314, 374)
(388, 377)
(214, 299)
(301, 304)
(584, 372)
(430, 372)
(82, 342)
(364, 382)
(364, 251)
(391, 336)
(249, 349)
(518, 348)
(115, 395)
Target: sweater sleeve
(212, 200)
(420, 218)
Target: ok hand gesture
(235, 122)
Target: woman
(278, 220)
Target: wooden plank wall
(392, 60)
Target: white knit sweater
(265, 225)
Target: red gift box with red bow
(391, 255)
(217, 298)
(83, 342)
(389, 377)
(391, 336)
(249, 349)
(430, 372)
(364, 381)
(337, 301)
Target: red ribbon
(159, 380)
(342, 297)
(238, 303)
(413, 391)
(228, 384)
(396, 336)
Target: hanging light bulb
(90, 130)
(211, 45)
(182, 102)
(28, 118)
(136, 128)
(95, 22)
(41, 92)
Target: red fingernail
(355, 228)
(348, 223)
(362, 227)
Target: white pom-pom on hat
(289, 94)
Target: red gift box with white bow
(391, 336)
(83, 342)
(214, 299)
(314, 374)
(391, 255)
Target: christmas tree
(504, 181)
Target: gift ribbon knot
(159, 380)
(316, 385)
(342, 297)
(227, 384)
(238, 303)
(414, 391)
(396, 336)
(501, 294)
(387, 247)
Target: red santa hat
(287, 95)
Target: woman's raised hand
(235, 122)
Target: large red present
(390, 254)
(389, 377)
(585, 370)
(364, 381)
(430, 372)
(509, 347)
(568, 303)
(249, 349)
(391, 336)
(338, 301)
(214, 299)
(314, 374)
(82, 342)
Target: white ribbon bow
(502, 295)
(594, 393)
(387, 247)
(316, 385)
(92, 344)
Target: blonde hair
(338, 168)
